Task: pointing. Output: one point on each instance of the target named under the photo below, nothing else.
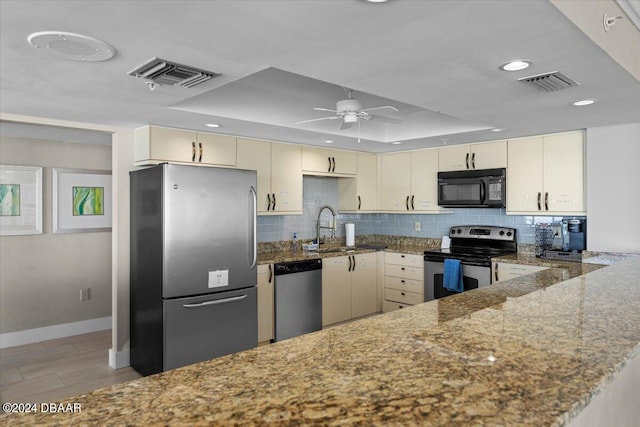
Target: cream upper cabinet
(360, 193)
(395, 181)
(326, 162)
(546, 174)
(424, 180)
(153, 144)
(364, 289)
(279, 174)
(265, 303)
(483, 155)
(409, 181)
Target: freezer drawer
(205, 327)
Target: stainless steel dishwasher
(297, 298)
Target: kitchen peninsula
(534, 350)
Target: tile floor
(49, 371)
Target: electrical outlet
(417, 226)
(85, 294)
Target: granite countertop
(529, 351)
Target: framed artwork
(81, 200)
(20, 200)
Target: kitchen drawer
(408, 260)
(404, 272)
(411, 298)
(388, 306)
(401, 284)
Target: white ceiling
(437, 61)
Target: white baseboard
(118, 359)
(30, 336)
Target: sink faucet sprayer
(332, 226)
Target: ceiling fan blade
(386, 119)
(388, 107)
(345, 125)
(317, 120)
(325, 109)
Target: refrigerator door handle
(213, 302)
(255, 227)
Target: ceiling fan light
(350, 117)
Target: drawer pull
(401, 281)
(402, 293)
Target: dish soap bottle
(295, 242)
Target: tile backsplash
(319, 191)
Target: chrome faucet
(331, 227)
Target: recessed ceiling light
(377, 1)
(497, 129)
(396, 143)
(515, 65)
(583, 102)
(329, 141)
(213, 125)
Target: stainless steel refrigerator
(193, 265)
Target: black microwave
(484, 188)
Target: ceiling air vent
(163, 72)
(549, 82)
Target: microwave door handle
(483, 192)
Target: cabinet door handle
(349, 263)
(467, 160)
(268, 201)
(546, 201)
(354, 262)
(334, 164)
(496, 271)
(473, 160)
(273, 208)
(539, 196)
(193, 151)
(201, 150)
(329, 159)
(270, 273)
(359, 202)
(412, 197)
(407, 203)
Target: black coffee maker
(574, 234)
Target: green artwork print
(9, 199)
(88, 201)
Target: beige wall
(40, 275)
(613, 188)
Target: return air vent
(163, 72)
(549, 82)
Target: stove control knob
(508, 233)
(459, 231)
(502, 232)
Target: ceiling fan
(351, 110)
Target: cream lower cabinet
(279, 174)
(265, 303)
(501, 271)
(483, 155)
(154, 144)
(360, 194)
(403, 281)
(349, 287)
(409, 181)
(546, 175)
